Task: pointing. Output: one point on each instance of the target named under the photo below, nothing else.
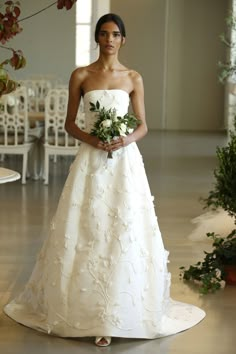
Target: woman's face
(110, 38)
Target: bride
(102, 271)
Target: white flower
(106, 123)
(130, 130)
(11, 100)
(122, 129)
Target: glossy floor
(179, 168)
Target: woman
(102, 272)
(107, 73)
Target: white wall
(195, 98)
(175, 45)
(47, 40)
(176, 49)
(144, 49)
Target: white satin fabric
(103, 269)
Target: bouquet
(110, 126)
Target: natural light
(83, 32)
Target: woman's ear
(123, 41)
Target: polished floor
(180, 171)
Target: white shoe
(103, 341)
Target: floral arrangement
(109, 125)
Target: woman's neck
(108, 63)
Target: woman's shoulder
(135, 78)
(80, 72)
(133, 73)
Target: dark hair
(110, 18)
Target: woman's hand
(95, 142)
(118, 143)
(114, 145)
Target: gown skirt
(102, 270)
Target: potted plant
(220, 264)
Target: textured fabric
(103, 269)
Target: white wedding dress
(103, 269)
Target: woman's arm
(75, 92)
(138, 106)
(137, 101)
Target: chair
(37, 91)
(14, 127)
(57, 141)
(53, 79)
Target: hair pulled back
(110, 18)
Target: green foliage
(211, 271)
(224, 193)
(228, 68)
(109, 126)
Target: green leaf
(92, 106)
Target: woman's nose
(109, 37)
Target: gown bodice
(109, 99)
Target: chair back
(14, 123)
(37, 91)
(55, 115)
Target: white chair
(57, 141)
(14, 127)
(37, 91)
(54, 79)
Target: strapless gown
(102, 271)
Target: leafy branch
(224, 192)
(210, 272)
(9, 27)
(228, 68)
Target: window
(83, 32)
(87, 14)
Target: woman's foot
(102, 341)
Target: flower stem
(38, 12)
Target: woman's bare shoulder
(136, 80)
(80, 73)
(83, 73)
(135, 76)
